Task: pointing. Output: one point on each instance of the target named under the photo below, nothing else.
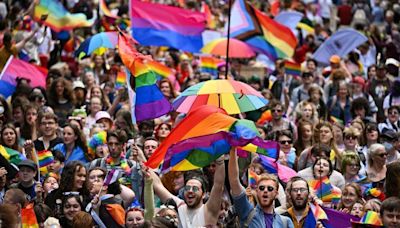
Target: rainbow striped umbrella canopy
(97, 44)
(237, 48)
(233, 96)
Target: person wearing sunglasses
(392, 121)
(263, 215)
(376, 166)
(192, 211)
(278, 122)
(351, 139)
(287, 154)
(389, 139)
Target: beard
(193, 202)
(299, 205)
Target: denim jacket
(243, 208)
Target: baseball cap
(334, 59)
(78, 84)
(28, 163)
(389, 134)
(102, 115)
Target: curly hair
(68, 176)
(67, 94)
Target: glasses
(301, 190)
(383, 155)
(276, 110)
(269, 188)
(348, 137)
(307, 75)
(285, 142)
(192, 188)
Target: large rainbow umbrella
(97, 44)
(237, 48)
(233, 96)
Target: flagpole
(228, 36)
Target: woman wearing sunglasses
(376, 166)
(287, 155)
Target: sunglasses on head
(269, 188)
(192, 188)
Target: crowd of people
(337, 126)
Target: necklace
(123, 164)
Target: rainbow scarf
(58, 17)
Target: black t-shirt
(29, 191)
(39, 145)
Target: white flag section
(340, 43)
(111, 177)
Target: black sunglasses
(285, 142)
(269, 188)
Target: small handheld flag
(111, 177)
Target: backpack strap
(250, 217)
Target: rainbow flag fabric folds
(45, 158)
(325, 190)
(262, 33)
(149, 102)
(209, 64)
(121, 79)
(16, 68)
(58, 17)
(11, 155)
(161, 25)
(28, 217)
(204, 135)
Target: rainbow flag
(11, 155)
(293, 68)
(149, 102)
(262, 33)
(325, 190)
(209, 17)
(318, 212)
(159, 69)
(371, 218)
(161, 25)
(58, 17)
(272, 166)
(120, 81)
(45, 158)
(204, 135)
(28, 217)
(209, 64)
(266, 116)
(253, 178)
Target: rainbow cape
(149, 102)
(262, 33)
(204, 135)
(11, 155)
(58, 17)
(209, 64)
(28, 217)
(325, 190)
(293, 68)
